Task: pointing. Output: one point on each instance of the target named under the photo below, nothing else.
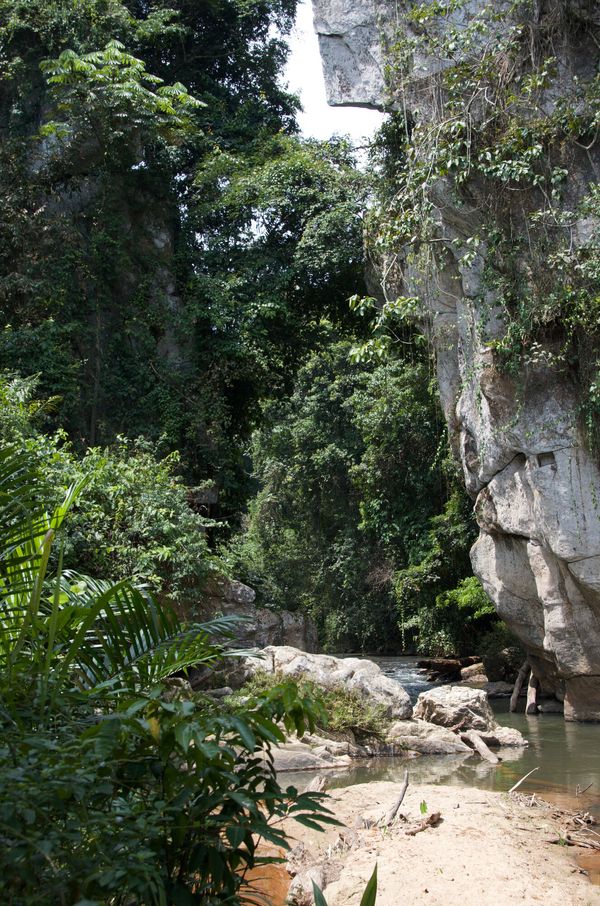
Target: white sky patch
(304, 76)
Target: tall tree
(168, 251)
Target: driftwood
(519, 782)
(521, 676)
(318, 784)
(393, 811)
(429, 821)
(472, 737)
(576, 840)
(532, 692)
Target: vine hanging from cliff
(495, 123)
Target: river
(566, 755)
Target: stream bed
(566, 755)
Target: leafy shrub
(134, 516)
(154, 803)
(341, 710)
(108, 792)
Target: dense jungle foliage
(185, 391)
(112, 790)
(174, 280)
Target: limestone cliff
(526, 460)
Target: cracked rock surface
(535, 484)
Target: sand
(489, 849)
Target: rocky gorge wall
(517, 430)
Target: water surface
(566, 755)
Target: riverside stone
(427, 739)
(299, 756)
(448, 706)
(352, 673)
(465, 709)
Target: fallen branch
(521, 676)
(574, 841)
(519, 782)
(391, 814)
(477, 742)
(317, 784)
(430, 821)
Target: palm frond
(123, 633)
(77, 629)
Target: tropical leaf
(370, 895)
(76, 630)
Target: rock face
(351, 49)
(524, 457)
(261, 626)
(329, 672)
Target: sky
(304, 76)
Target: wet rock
(465, 709)
(426, 738)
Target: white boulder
(328, 672)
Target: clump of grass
(345, 711)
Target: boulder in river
(352, 673)
(458, 707)
(426, 739)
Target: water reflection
(567, 755)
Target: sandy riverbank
(488, 850)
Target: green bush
(109, 792)
(339, 709)
(134, 517)
(154, 803)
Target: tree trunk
(521, 675)
(532, 692)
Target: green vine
(498, 178)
